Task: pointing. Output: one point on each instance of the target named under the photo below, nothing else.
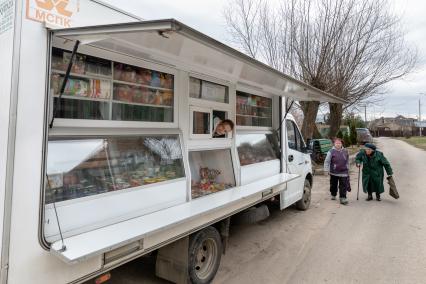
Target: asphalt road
(364, 242)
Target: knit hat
(370, 146)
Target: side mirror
(307, 150)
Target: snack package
(100, 89)
(76, 87)
(145, 77)
(155, 81)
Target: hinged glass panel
(90, 166)
(205, 90)
(253, 110)
(255, 148)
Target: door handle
(290, 158)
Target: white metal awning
(172, 43)
(95, 242)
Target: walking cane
(359, 173)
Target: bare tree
(349, 48)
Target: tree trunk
(336, 111)
(310, 110)
(316, 134)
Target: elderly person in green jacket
(373, 162)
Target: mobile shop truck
(106, 142)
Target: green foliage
(346, 140)
(339, 134)
(355, 120)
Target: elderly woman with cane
(337, 165)
(373, 162)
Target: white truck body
(102, 231)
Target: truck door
(295, 159)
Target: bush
(346, 140)
(339, 134)
(354, 120)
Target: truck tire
(205, 252)
(251, 215)
(303, 204)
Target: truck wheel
(205, 251)
(303, 204)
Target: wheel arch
(309, 177)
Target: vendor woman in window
(222, 127)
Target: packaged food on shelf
(101, 89)
(158, 98)
(208, 183)
(123, 93)
(167, 98)
(144, 76)
(155, 79)
(253, 110)
(166, 80)
(97, 66)
(128, 74)
(77, 87)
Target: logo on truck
(54, 12)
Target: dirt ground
(364, 242)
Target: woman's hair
(337, 139)
(229, 122)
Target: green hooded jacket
(372, 170)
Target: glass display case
(127, 92)
(255, 148)
(200, 89)
(83, 167)
(211, 171)
(253, 110)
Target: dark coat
(372, 170)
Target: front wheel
(205, 251)
(303, 204)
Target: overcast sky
(206, 16)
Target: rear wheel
(303, 204)
(205, 251)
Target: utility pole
(420, 114)
(420, 119)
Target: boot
(343, 201)
(333, 197)
(370, 197)
(378, 197)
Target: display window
(255, 148)
(129, 93)
(253, 110)
(211, 172)
(205, 90)
(89, 166)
